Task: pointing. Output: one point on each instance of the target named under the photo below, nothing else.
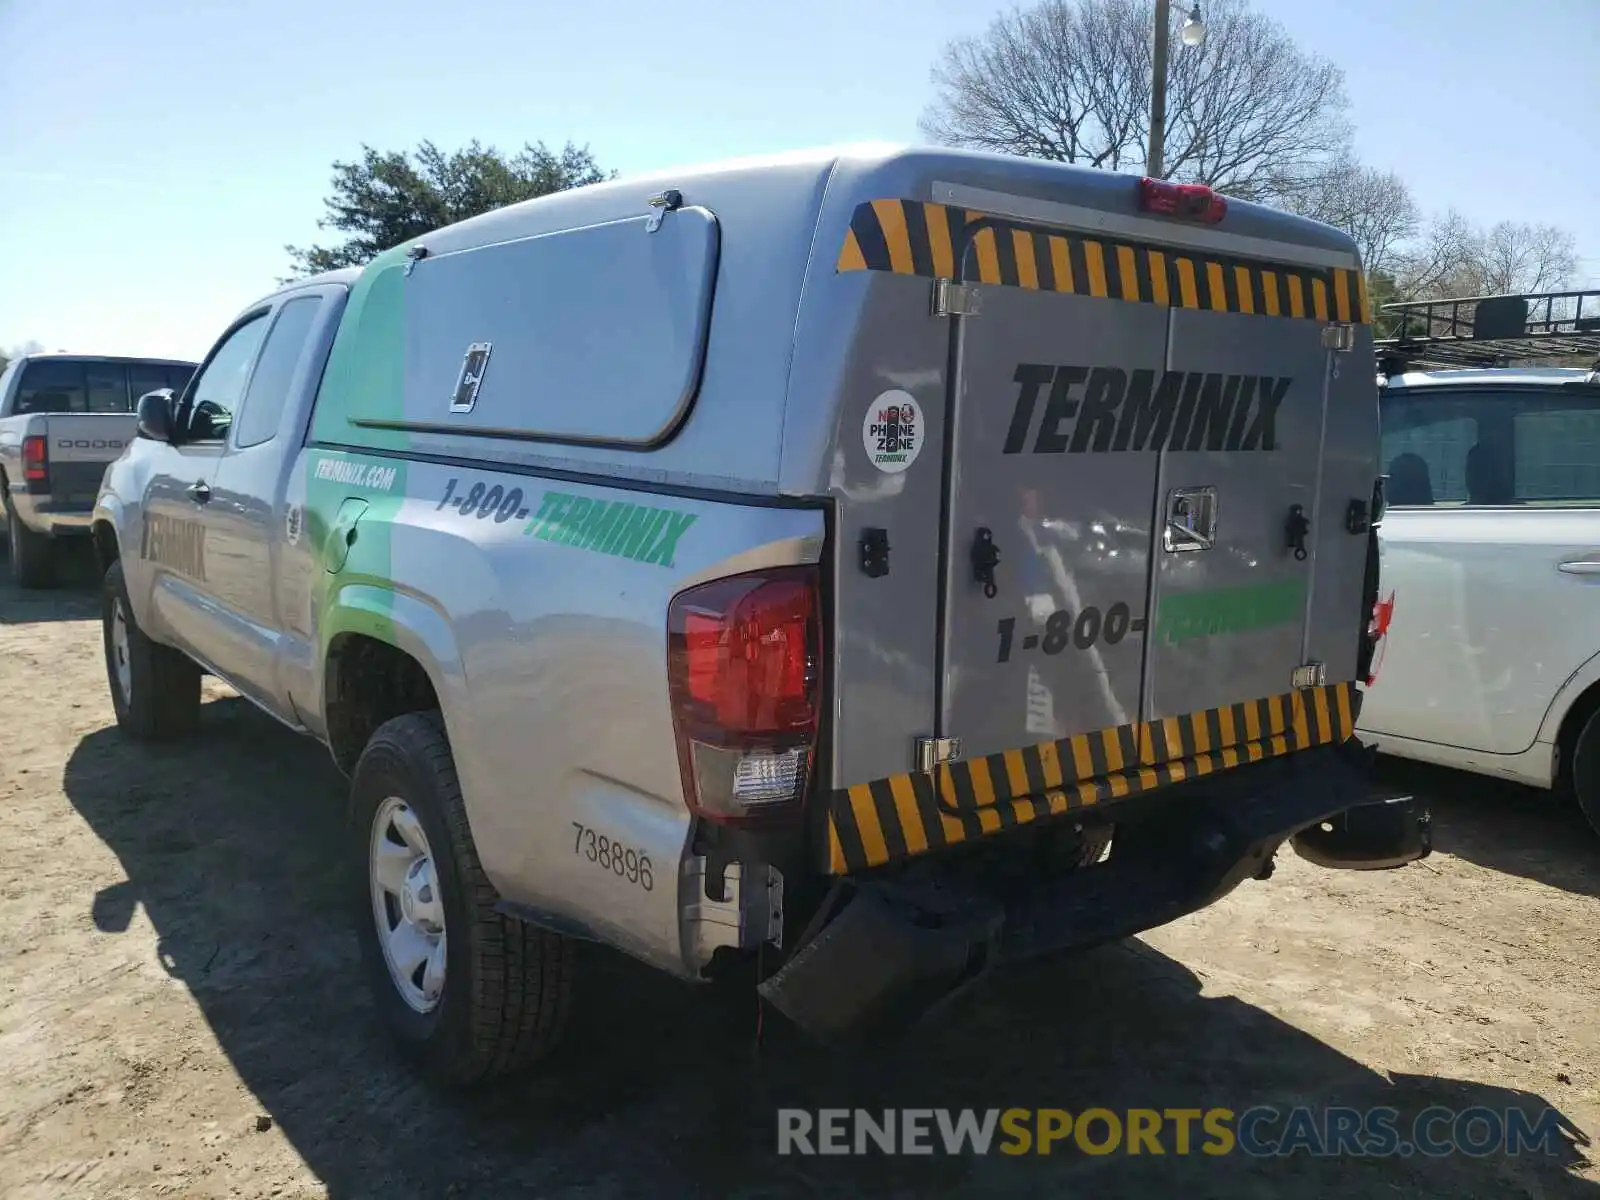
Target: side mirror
(155, 416)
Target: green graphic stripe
(1187, 615)
(365, 375)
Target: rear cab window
(52, 386)
(77, 385)
(1522, 446)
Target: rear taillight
(35, 460)
(1191, 200)
(744, 658)
(1377, 638)
(1376, 612)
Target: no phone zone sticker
(892, 432)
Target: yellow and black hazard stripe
(911, 237)
(870, 824)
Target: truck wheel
(32, 554)
(1585, 777)
(468, 994)
(154, 688)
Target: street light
(1192, 34)
(1194, 29)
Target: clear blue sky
(156, 156)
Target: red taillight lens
(35, 459)
(743, 668)
(1191, 200)
(1378, 636)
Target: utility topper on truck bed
(901, 561)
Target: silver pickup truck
(869, 567)
(63, 419)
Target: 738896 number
(611, 855)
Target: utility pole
(1192, 33)
(1158, 91)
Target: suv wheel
(154, 688)
(32, 554)
(468, 994)
(1585, 778)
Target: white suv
(1490, 547)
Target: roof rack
(1491, 331)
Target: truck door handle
(1579, 566)
(200, 491)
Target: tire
(33, 555)
(504, 993)
(154, 688)
(1585, 777)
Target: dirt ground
(181, 1012)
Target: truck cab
(878, 565)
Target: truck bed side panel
(543, 606)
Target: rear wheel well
(369, 682)
(1584, 707)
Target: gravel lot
(182, 1012)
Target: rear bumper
(897, 947)
(44, 515)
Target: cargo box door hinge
(952, 299)
(1339, 337)
(934, 752)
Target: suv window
(1532, 446)
(217, 392)
(257, 421)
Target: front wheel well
(367, 683)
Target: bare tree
(1374, 207)
(1526, 258)
(1070, 80)
(1455, 258)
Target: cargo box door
(1048, 534)
(1239, 519)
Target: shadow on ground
(75, 595)
(231, 844)
(1517, 830)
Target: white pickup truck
(63, 419)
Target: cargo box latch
(875, 552)
(661, 204)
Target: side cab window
(215, 393)
(277, 367)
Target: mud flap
(894, 954)
(1370, 837)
